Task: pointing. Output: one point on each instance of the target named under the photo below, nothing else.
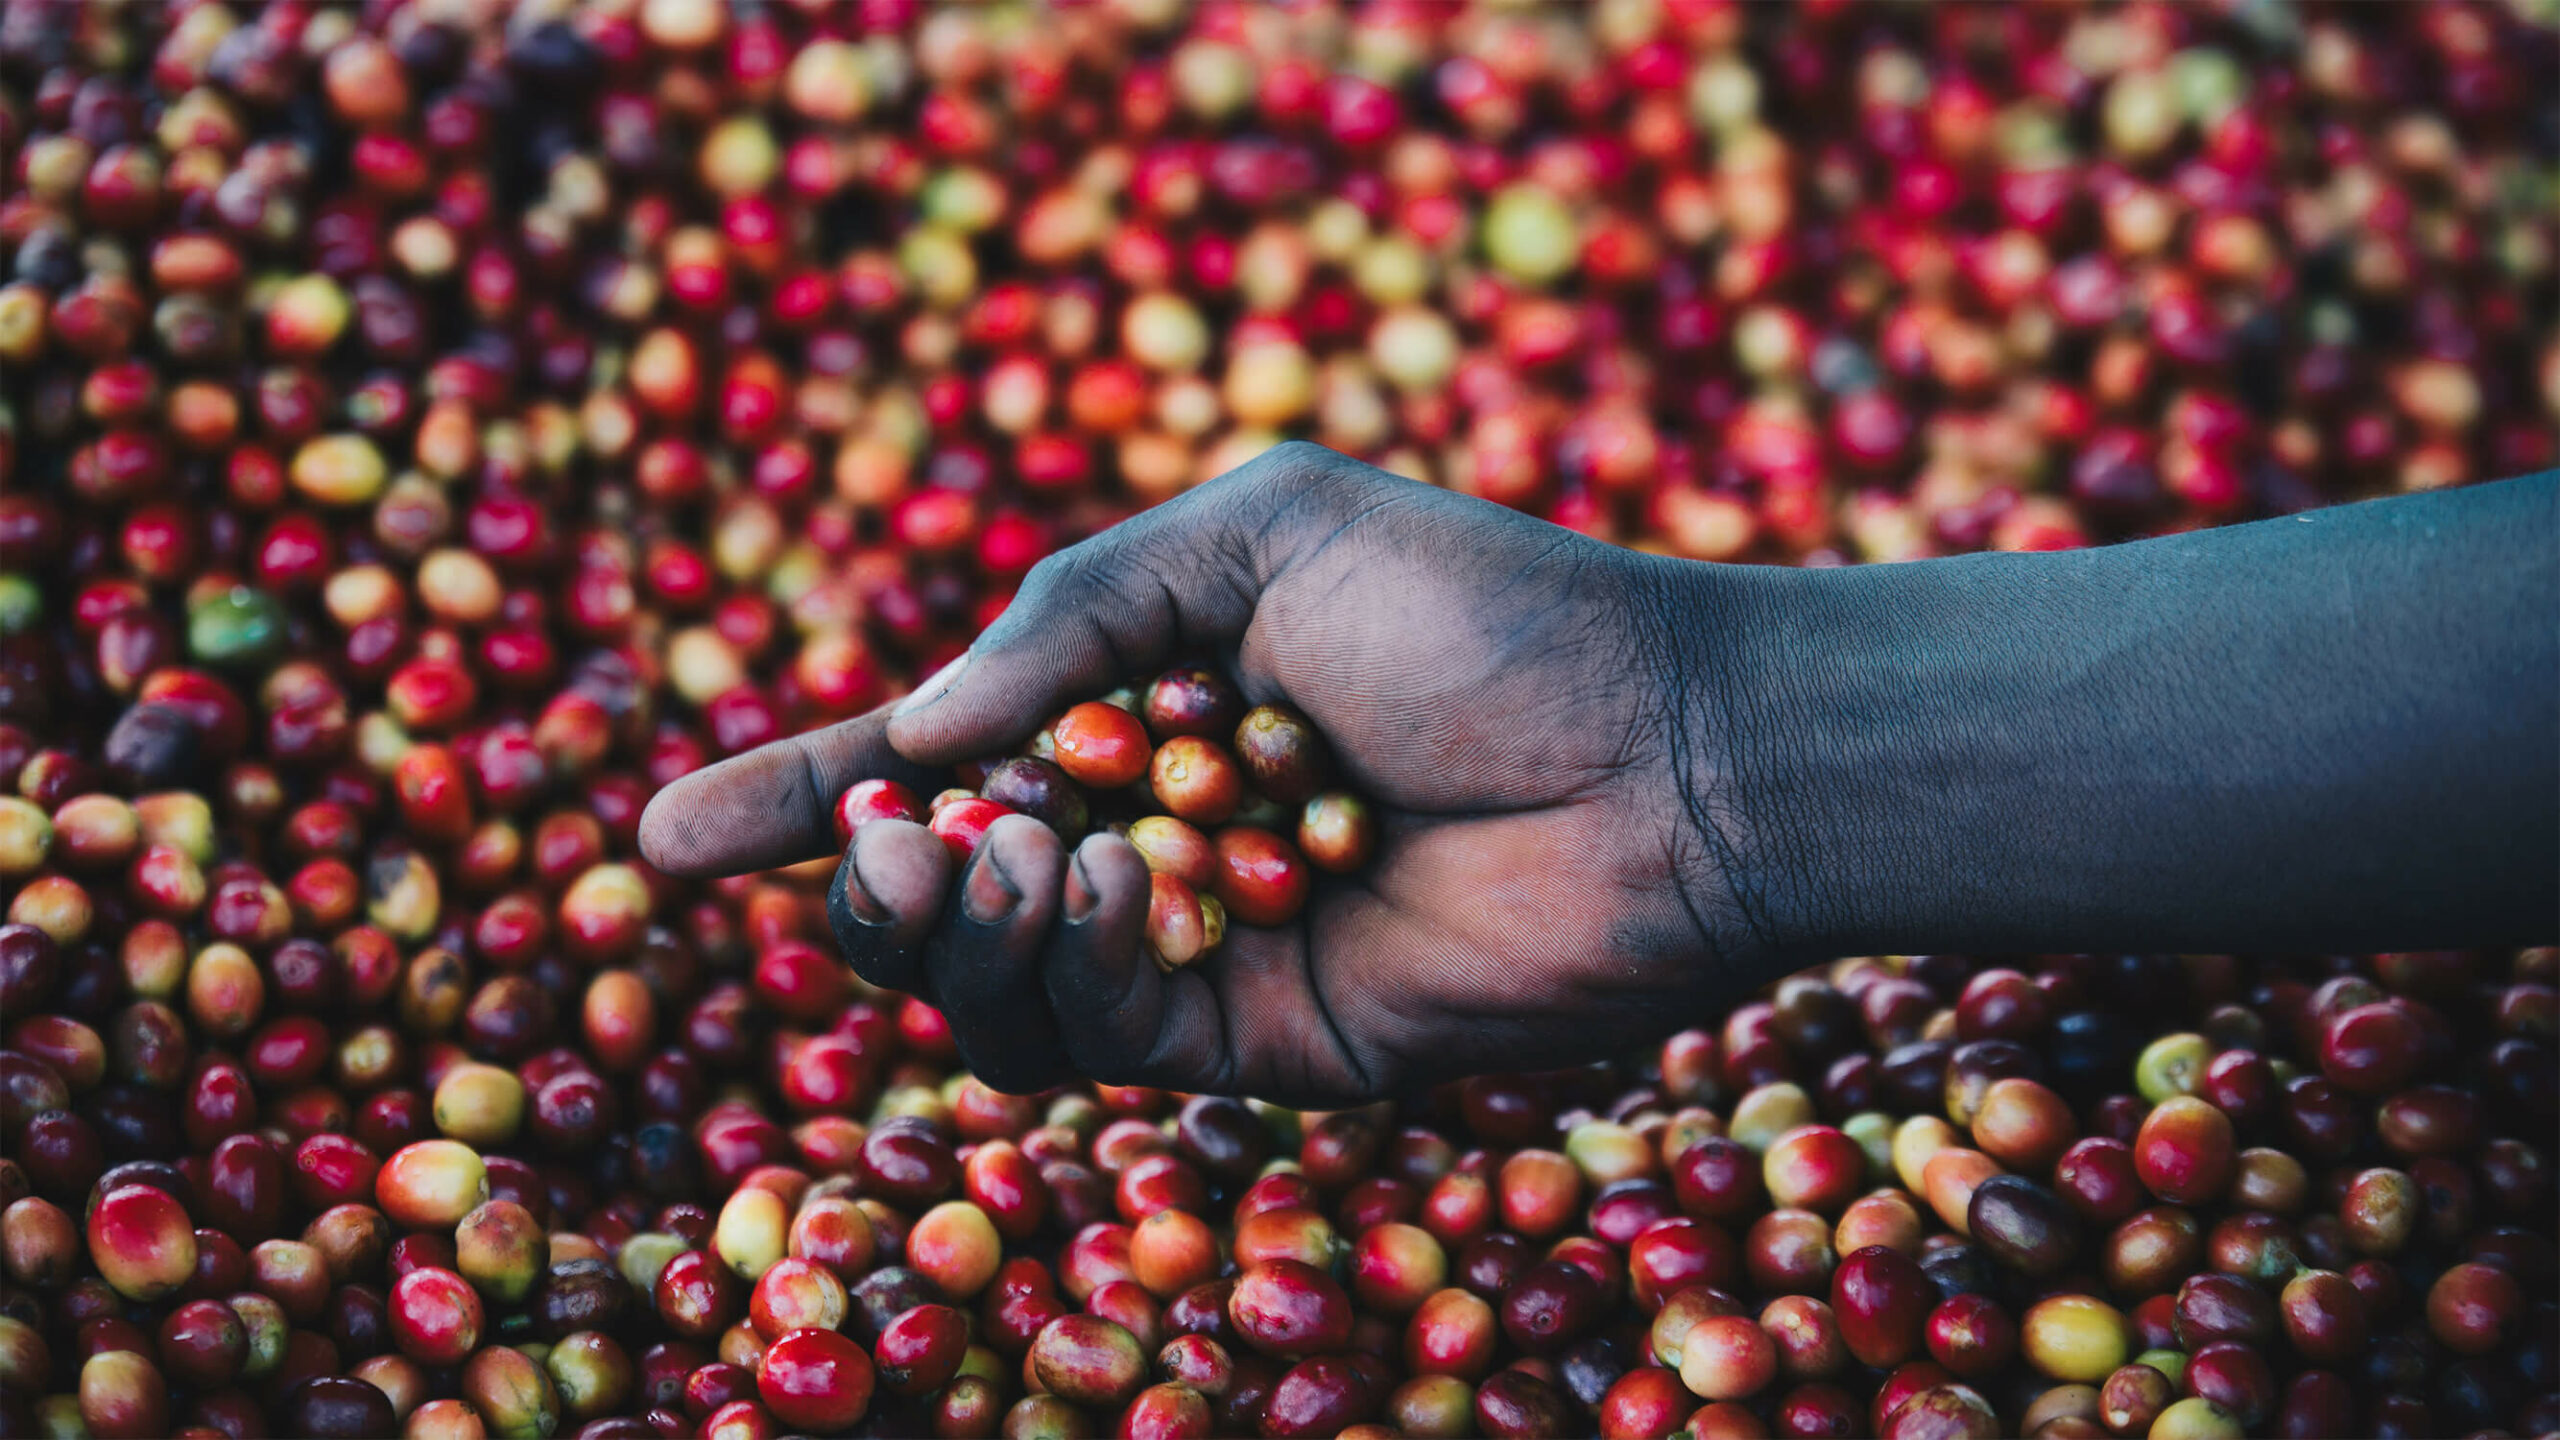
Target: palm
(1484, 700)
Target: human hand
(1546, 889)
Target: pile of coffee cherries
(427, 429)
(1918, 1197)
(1213, 822)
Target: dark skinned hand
(1491, 681)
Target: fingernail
(935, 686)
(1082, 898)
(988, 896)
(857, 897)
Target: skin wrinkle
(1171, 605)
(1435, 953)
(1461, 963)
(1305, 556)
(1122, 663)
(1240, 976)
(1287, 473)
(1320, 990)
(1701, 783)
(1216, 1067)
(814, 793)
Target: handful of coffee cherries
(1229, 805)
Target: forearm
(2334, 731)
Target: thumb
(1179, 579)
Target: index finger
(773, 805)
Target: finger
(985, 960)
(1121, 1020)
(1180, 578)
(771, 806)
(887, 898)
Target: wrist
(1737, 823)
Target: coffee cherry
(962, 825)
(815, 1379)
(1282, 755)
(869, 800)
(1191, 702)
(1040, 790)
(1261, 879)
(1337, 832)
(1102, 746)
(1195, 780)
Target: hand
(1545, 889)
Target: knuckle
(1053, 572)
(1299, 461)
(1049, 586)
(1123, 590)
(1286, 470)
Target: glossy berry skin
(140, 1240)
(1647, 1401)
(1728, 1357)
(436, 1317)
(1677, 1252)
(1882, 1299)
(2096, 1176)
(962, 824)
(1972, 1336)
(1178, 923)
(2371, 1049)
(1041, 790)
(1195, 780)
(1100, 745)
(1089, 1360)
(2473, 1308)
(1550, 1306)
(2185, 1152)
(2023, 1225)
(922, 1349)
(1172, 847)
(870, 800)
(1200, 703)
(1337, 832)
(335, 1405)
(1261, 879)
(1282, 754)
(817, 1380)
(2324, 1316)
(1290, 1309)
(1814, 1167)
(202, 1343)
